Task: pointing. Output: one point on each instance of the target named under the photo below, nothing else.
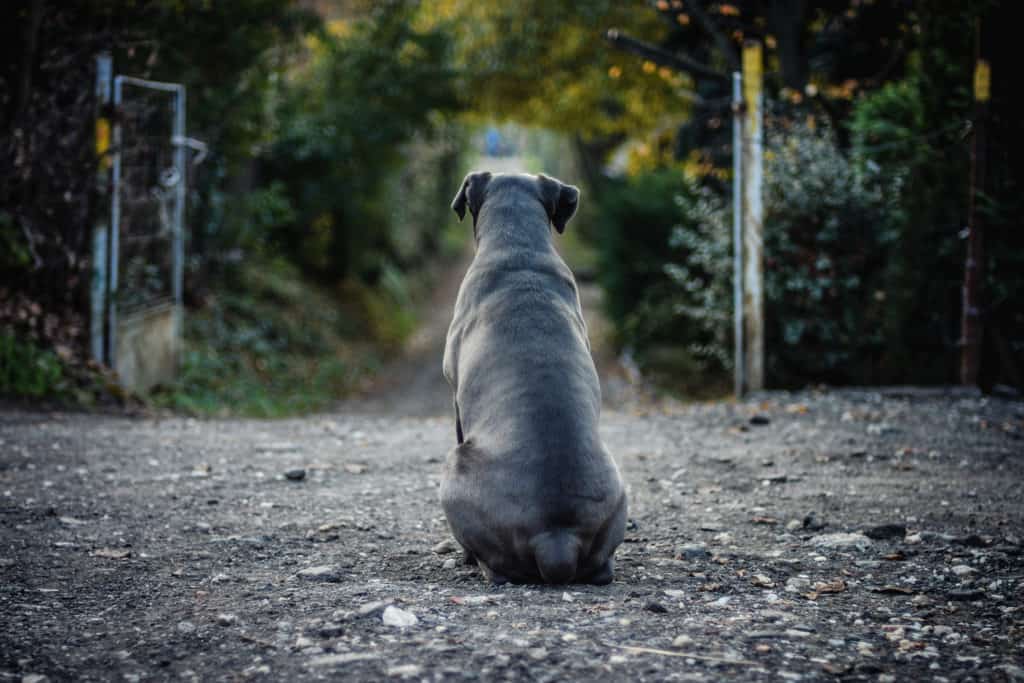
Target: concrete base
(148, 347)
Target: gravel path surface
(870, 535)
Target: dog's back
(530, 491)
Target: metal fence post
(178, 259)
(179, 194)
(98, 285)
(737, 233)
(753, 295)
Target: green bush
(345, 122)
(828, 231)
(26, 370)
(661, 266)
(914, 131)
(268, 345)
(829, 228)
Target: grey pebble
(297, 474)
(326, 573)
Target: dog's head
(558, 199)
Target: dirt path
(141, 549)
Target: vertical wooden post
(971, 328)
(753, 211)
(98, 285)
(739, 379)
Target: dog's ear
(559, 199)
(471, 194)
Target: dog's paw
(603, 575)
(492, 576)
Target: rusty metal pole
(753, 215)
(974, 268)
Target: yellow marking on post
(102, 136)
(752, 72)
(982, 81)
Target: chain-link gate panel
(146, 236)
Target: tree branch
(721, 40)
(679, 62)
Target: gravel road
(869, 535)
(827, 535)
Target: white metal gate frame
(179, 140)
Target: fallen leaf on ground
(892, 590)
(824, 588)
(763, 520)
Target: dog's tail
(557, 554)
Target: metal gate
(145, 239)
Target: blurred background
(303, 208)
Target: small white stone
(395, 616)
(682, 640)
(321, 573)
(842, 540)
(405, 670)
(797, 584)
(225, 619)
(445, 546)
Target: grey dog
(530, 492)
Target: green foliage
(863, 243)
(268, 345)
(703, 298)
(828, 231)
(229, 55)
(422, 188)
(661, 266)
(26, 370)
(546, 64)
(14, 253)
(887, 127)
(343, 124)
(912, 131)
(829, 228)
